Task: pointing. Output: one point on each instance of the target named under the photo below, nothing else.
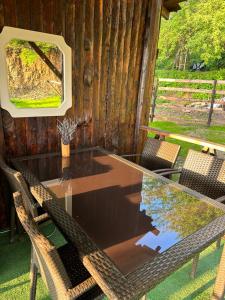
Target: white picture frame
(9, 33)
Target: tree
(197, 31)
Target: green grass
(47, 102)
(15, 261)
(214, 134)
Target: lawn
(51, 102)
(14, 273)
(214, 134)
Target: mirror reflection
(35, 74)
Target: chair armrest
(221, 199)
(82, 287)
(163, 170)
(130, 155)
(42, 218)
(170, 172)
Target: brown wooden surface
(107, 39)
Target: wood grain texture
(107, 39)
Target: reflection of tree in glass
(174, 210)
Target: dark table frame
(137, 283)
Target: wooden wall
(107, 38)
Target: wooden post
(154, 97)
(143, 75)
(212, 103)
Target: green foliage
(52, 101)
(198, 28)
(27, 54)
(215, 134)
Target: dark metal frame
(137, 283)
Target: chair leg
(194, 266)
(33, 279)
(12, 223)
(218, 243)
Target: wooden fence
(213, 92)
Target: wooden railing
(208, 146)
(213, 92)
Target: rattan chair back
(17, 183)
(204, 173)
(49, 262)
(159, 154)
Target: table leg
(219, 287)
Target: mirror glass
(35, 74)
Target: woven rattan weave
(61, 269)
(136, 283)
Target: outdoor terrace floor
(14, 272)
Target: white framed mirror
(35, 73)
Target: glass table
(132, 227)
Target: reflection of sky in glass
(174, 214)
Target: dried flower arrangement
(67, 129)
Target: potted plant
(66, 129)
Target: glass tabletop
(131, 215)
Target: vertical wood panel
(88, 69)
(119, 73)
(98, 26)
(106, 38)
(107, 12)
(126, 61)
(79, 63)
(111, 80)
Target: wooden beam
(46, 60)
(165, 13)
(190, 90)
(143, 76)
(184, 138)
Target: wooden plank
(60, 7)
(212, 103)
(185, 138)
(190, 90)
(107, 13)
(125, 76)
(98, 26)
(143, 75)
(137, 71)
(142, 115)
(88, 70)
(165, 13)
(185, 80)
(119, 73)
(130, 107)
(79, 65)
(111, 80)
(190, 80)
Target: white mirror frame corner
(9, 33)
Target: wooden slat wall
(106, 37)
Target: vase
(65, 150)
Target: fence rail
(213, 92)
(190, 139)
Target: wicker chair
(17, 183)
(61, 269)
(157, 155)
(205, 174)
